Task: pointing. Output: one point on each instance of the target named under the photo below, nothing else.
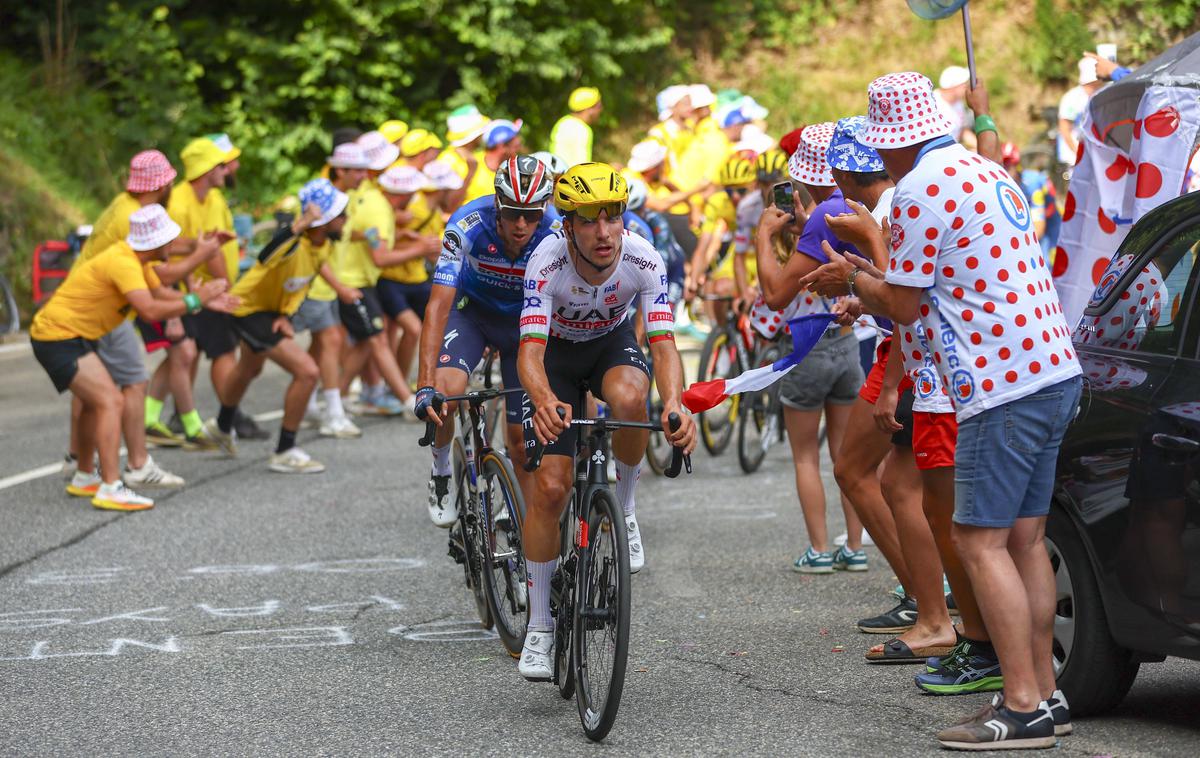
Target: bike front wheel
(718, 359)
(470, 533)
(758, 420)
(600, 648)
(503, 557)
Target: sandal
(897, 650)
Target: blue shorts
(472, 329)
(1006, 457)
(397, 297)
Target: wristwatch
(850, 281)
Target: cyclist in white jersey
(580, 285)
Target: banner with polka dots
(1110, 190)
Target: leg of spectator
(939, 510)
(802, 433)
(100, 418)
(133, 424)
(410, 323)
(837, 418)
(1028, 549)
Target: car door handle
(1176, 444)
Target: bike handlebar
(430, 427)
(678, 457)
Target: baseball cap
(500, 131)
(733, 117)
(583, 98)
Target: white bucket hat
(647, 154)
(701, 96)
(380, 153)
(902, 111)
(442, 176)
(150, 228)
(403, 180)
(808, 165)
(348, 155)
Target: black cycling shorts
(212, 331)
(904, 416)
(60, 358)
(569, 364)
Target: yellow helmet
(771, 166)
(588, 188)
(736, 172)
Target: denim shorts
(831, 373)
(1005, 461)
(315, 315)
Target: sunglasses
(592, 211)
(512, 213)
(737, 192)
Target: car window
(1150, 313)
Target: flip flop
(897, 650)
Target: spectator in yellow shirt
(571, 137)
(501, 141)
(649, 162)
(673, 129)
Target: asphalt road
(255, 613)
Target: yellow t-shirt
(368, 209)
(196, 218)
(658, 189)
(705, 155)
(413, 270)
(110, 228)
(719, 207)
(91, 301)
(280, 284)
(451, 158)
(483, 183)
(675, 137)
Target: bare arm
(437, 313)
(668, 378)
(205, 250)
(405, 250)
(987, 142)
(780, 283)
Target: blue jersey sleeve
(458, 239)
(635, 224)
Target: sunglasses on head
(592, 211)
(512, 213)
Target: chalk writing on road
(111, 574)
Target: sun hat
(200, 156)
(150, 228)
(754, 140)
(464, 125)
(953, 76)
(331, 200)
(647, 154)
(221, 140)
(753, 109)
(702, 96)
(500, 131)
(583, 98)
(808, 165)
(902, 111)
(403, 180)
(666, 100)
(149, 170)
(348, 155)
(846, 153)
(380, 153)
(418, 141)
(393, 129)
(442, 176)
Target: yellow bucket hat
(200, 156)
(221, 140)
(393, 129)
(418, 141)
(583, 98)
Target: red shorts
(934, 438)
(874, 384)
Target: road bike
(658, 449)
(486, 538)
(589, 595)
(726, 353)
(760, 413)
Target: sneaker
(1061, 712)
(294, 461)
(83, 485)
(441, 508)
(340, 428)
(247, 428)
(866, 539)
(384, 405)
(118, 497)
(968, 668)
(69, 466)
(896, 621)
(227, 442)
(158, 435)
(849, 560)
(637, 556)
(998, 728)
(536, 664)
(202, 442)
(151, 475)
(813, 562)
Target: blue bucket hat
(331, 200)
(847, 153)
(500, 131)
(733, 117)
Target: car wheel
(1092, 669)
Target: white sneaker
(118, 497)
(441, 505)
(151, 475)
(536, 664)
(294, 461)
(340, 428)
(84, 485)
(840, 540)
(228, 442)
(637, 557)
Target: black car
(1124, 528)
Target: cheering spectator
(1071, 108)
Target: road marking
(15, 347)
(53, 468)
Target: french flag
(806, 332)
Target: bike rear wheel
(503, 557)
(470, 532)
(759, 419)
(718, 359)
(600, 648)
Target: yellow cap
(418, 141)
(200, 156)
(583, 98)
(393, 129)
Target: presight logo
(1012, 202)
(963, 385)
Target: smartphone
(783, 198)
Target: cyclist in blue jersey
(638, 226)
(476, 303)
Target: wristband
(192, 302)
(984, 123)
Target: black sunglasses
(532, 215)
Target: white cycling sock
(312, 409)
(540, 619)
(441, 460)
(627, 479)
(333, 403)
